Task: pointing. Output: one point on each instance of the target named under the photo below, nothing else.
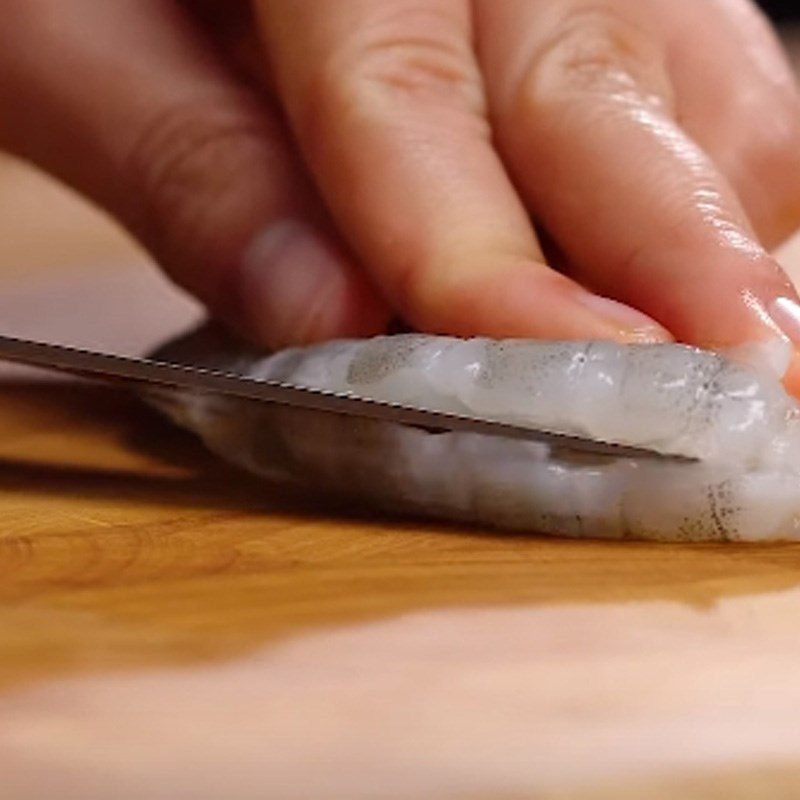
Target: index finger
(583, 102)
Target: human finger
(583, 106)
(744, 111)
(126, 102)
(387, 104)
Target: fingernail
(785, 313)
(631, 326)
(288, 275)
(772, 348)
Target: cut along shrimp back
(737, 421)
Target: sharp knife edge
(110, 367)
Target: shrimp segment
(738, 421)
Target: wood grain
(133, 564)
(124, 543)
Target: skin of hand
(311, 169)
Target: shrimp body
(739, 423)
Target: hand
(310, 168)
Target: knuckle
(423, 67)
(172, 155)
(597, 49)
(183, 166)
(399, 59)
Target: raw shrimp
(738, 421)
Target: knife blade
(155, 373)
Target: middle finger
(387, 102)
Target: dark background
(782, 9)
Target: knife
(155, 373)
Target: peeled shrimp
(737, 420)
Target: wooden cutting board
(171, 628)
